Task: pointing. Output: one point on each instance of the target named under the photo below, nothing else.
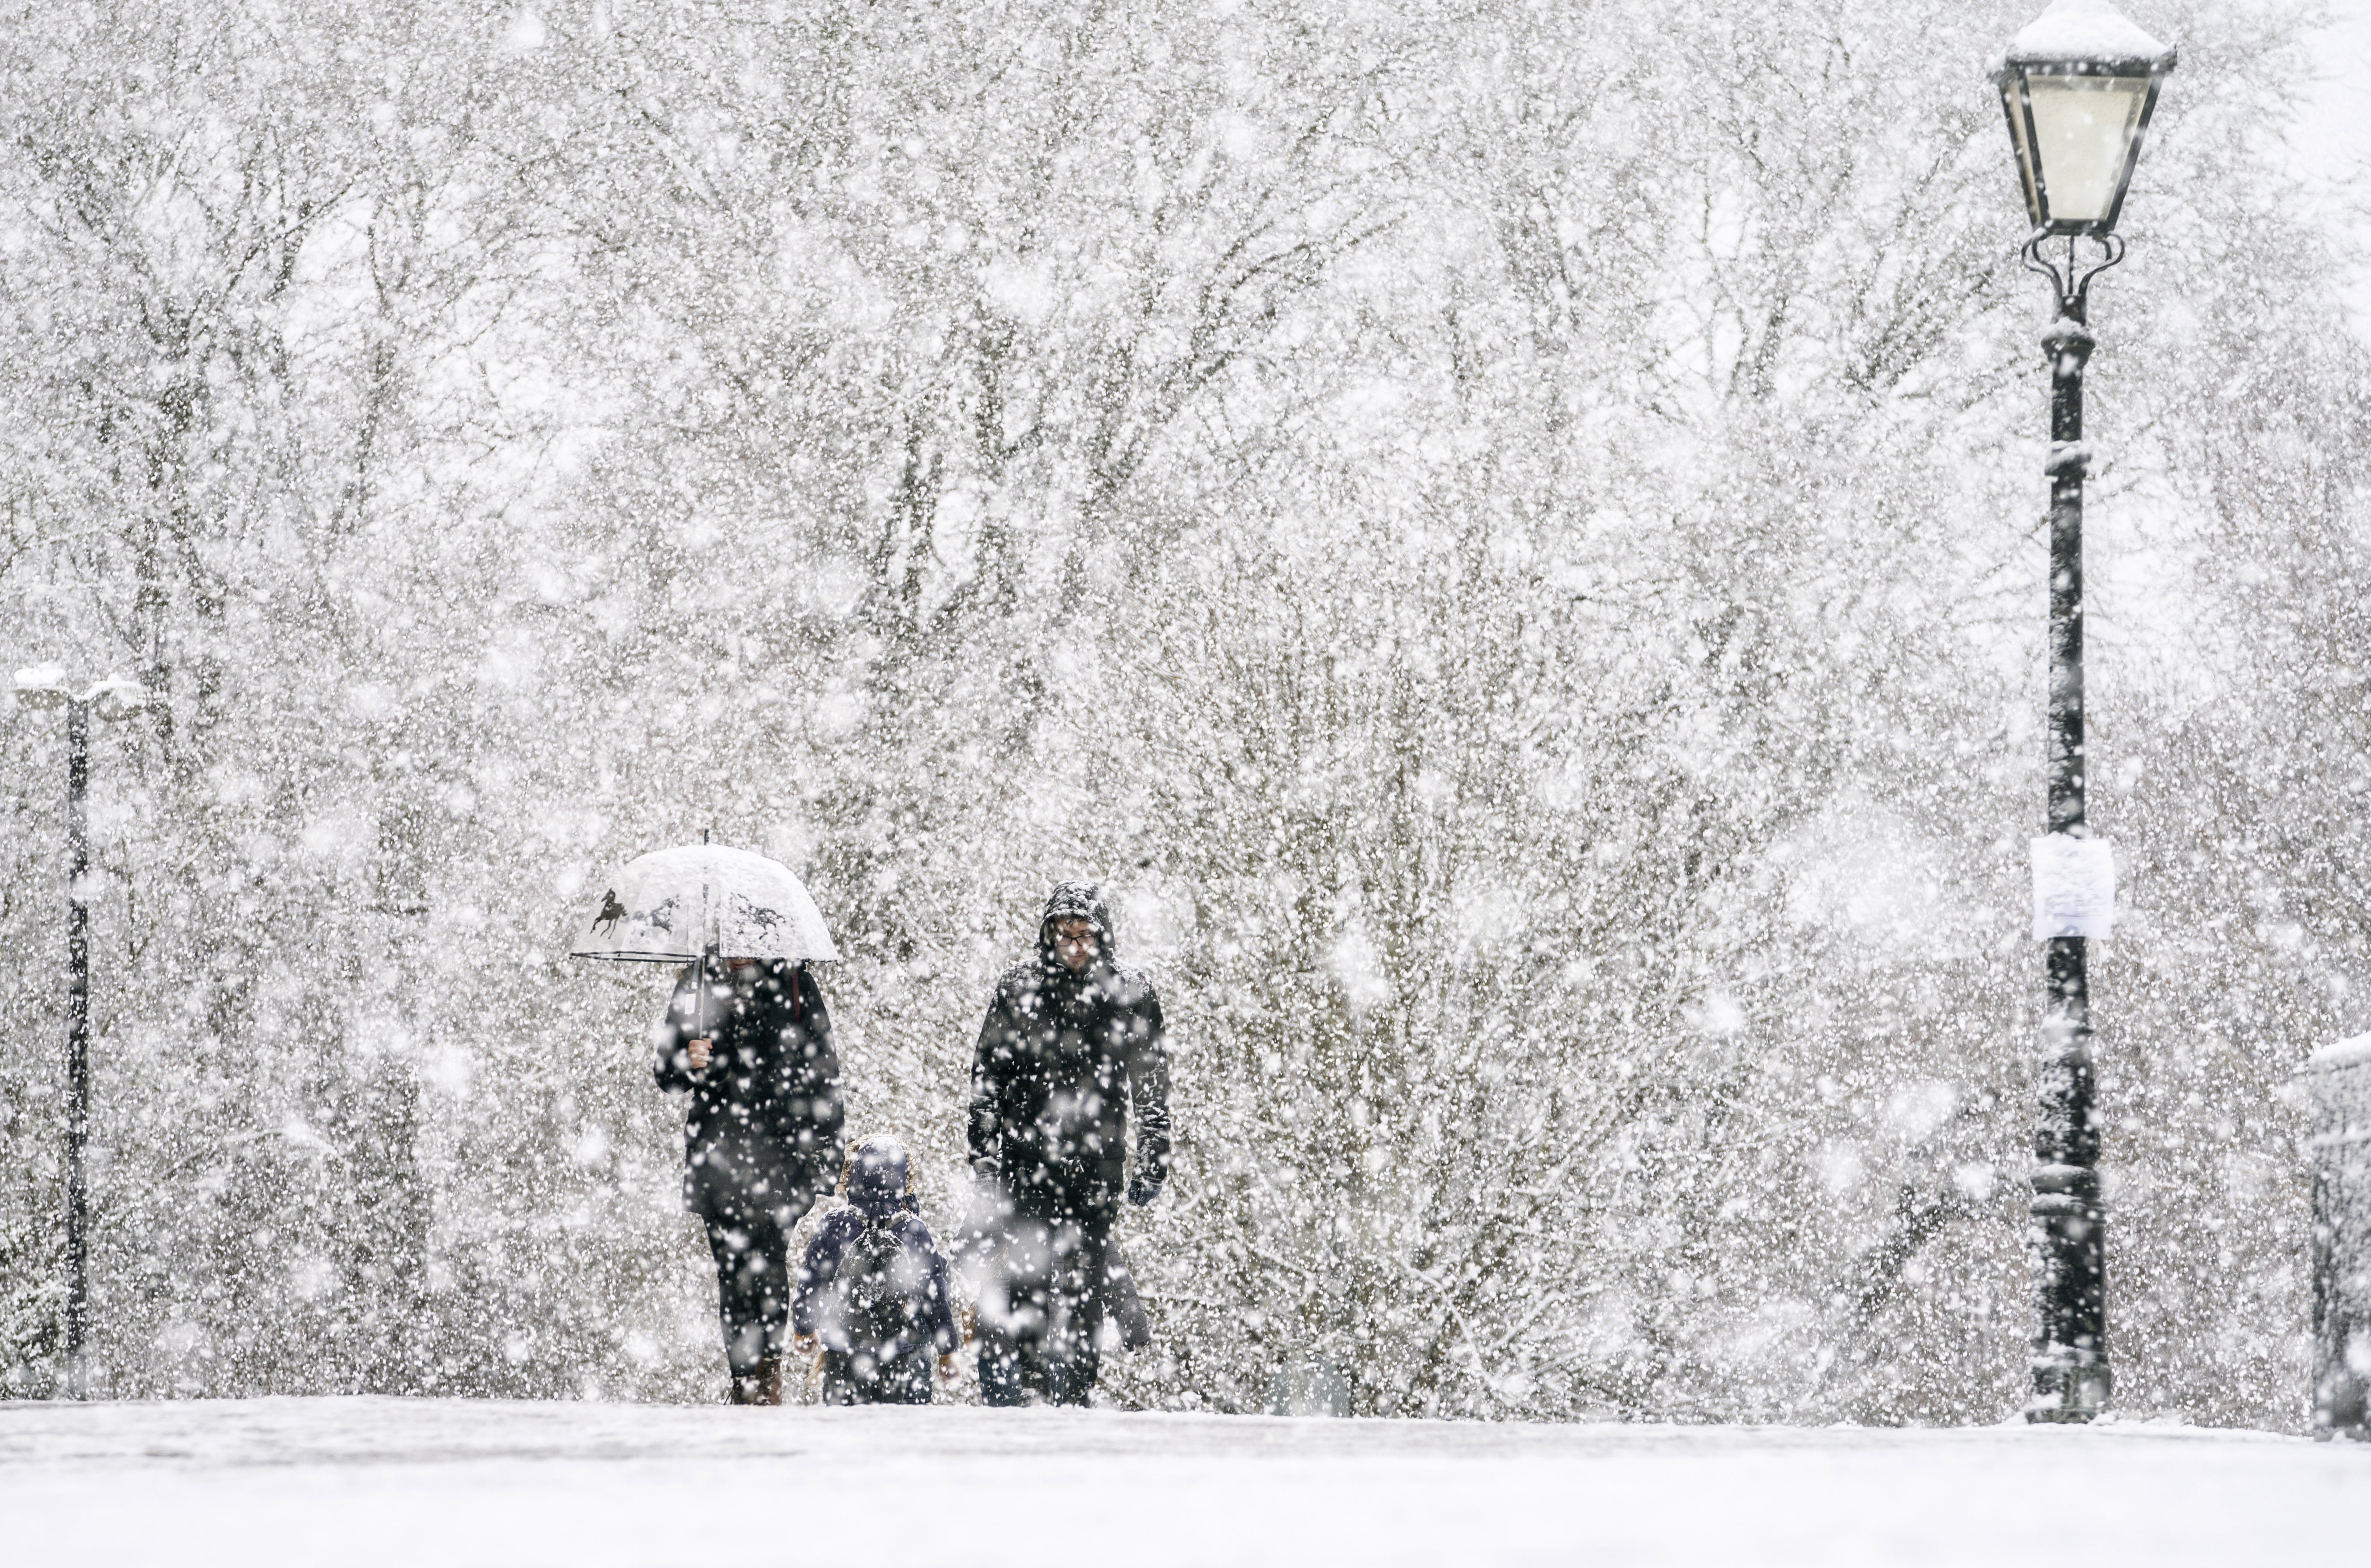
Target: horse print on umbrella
(755, 916)
(613, 912)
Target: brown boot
(750, 1389)
(770, 1381)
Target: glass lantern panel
(2083, 129)
(2013, 102)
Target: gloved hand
(1143, 1189)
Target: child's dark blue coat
(859, 1367)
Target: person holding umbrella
(748, 1039)
(751, 1040)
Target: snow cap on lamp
(2086, 31)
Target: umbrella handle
(707, 955)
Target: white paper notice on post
(2074, 887)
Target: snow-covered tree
(1505, 533)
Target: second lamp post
(115, 698)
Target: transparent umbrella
(703, 902)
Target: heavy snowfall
(1506, 536)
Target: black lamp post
(2080, 85)
(115, 698)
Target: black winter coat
(1062, 1059)
(763, 1126)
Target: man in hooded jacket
(761, 1140)
(1070, 1046)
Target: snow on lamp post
(2078, 84)
(114, 697)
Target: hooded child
(873, 1289)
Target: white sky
(2334, 141)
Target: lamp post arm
(2072, 280)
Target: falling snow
(1504, 535)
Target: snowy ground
(449, 1482)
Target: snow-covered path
(453, 1482)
